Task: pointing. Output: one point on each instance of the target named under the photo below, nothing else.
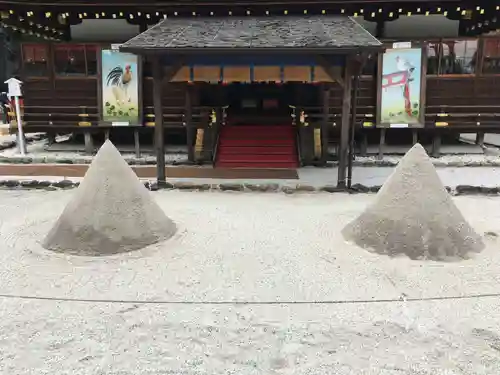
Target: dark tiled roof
(254, 32)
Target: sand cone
(413, 214)
(111, 212)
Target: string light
(372, 13)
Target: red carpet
(257, 146)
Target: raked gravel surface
(244, 247)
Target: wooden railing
(49, 118)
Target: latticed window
(491, 61)
(35, 60)
(458, 57)
(75, 60)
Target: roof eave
(235, 50)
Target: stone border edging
(29, 139)
(151, 160)
(236, 187)
(86, 161)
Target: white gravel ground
(228, 248)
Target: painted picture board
(401, 88)
(120, 97)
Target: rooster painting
(120, 88)
(120, 80)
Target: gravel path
(228, 249)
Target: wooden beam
(325, 125)
(188, 118)
(332, 73)
(158, 75)
(343, 148)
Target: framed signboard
(401, 87)
(120, 98)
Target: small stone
(256, 187)
(331, 189)
(231, 187)
(10, 183)
(191, 186)
(467, 189)
(489, 190)
(306, 188)
(288, 189)
(359, 188)
(20, 160)
(64, 184)
(29, 184)
(262, 187)
(43, 184)
(375, 188)
(204, 187)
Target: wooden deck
(79, 170)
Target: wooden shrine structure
(185, 84)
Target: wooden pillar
(480, 139)
(137, 144)
(363, 149)
(354, 107)
(89, 143)
(343, 148)
(220, 102)
(381, 144)
(414, 134)
(325, 125)
(188, 118)
(158, 109)
(436, 145)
